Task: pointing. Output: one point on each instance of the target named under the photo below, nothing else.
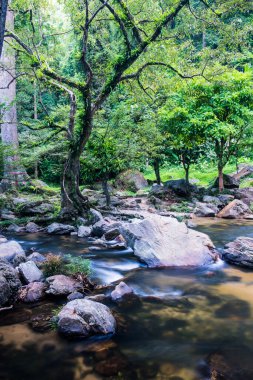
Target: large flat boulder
(60, 285)
(235, 210)
(10, 249)
(60, 229)
(163, 241)
(239, 252)
(84, 318)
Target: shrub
(77, 265)
(54, 265)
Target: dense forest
(126, 189)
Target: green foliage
(77, 264)
(53, 265)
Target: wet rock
(120, 291)
(18, 259)
(15, 228)
(112, 365)
(84, 231)
(83, 318)
(96, 216)
(111, 234)
(10, 249)
(163, 241)
(33, 292)
(229, 182)
(9, 283)
(36, 257)
(213, 200)
(235, 210)
(131, 180)
(190, 224)
(60, 229)
(75, 296)
(32, 227)
(225, 198)
(205, 210)
(101, 227)
(180, 187)
(60, 285)
(234, 309)
(29, 272)
(239, 252)
(97, 297)
(41, 323)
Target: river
(184, 319)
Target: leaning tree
(114, 43)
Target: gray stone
(75, 296)
(60, 229)
(33, 292)
(84, 318)
(84, 231)
(120, 291)
(15, 228)
(180, 187)
(10, 249)
(132, 180)
(213, 200)
(60, 285)
(163, 241)
(29, 272)
(37, 257)
(9, 283)
(32, 227)
(111, 234)
(101, 227)
(205, 210)
(239, 252)
(235, 210)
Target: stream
(184, 319)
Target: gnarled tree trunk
(14, 174)
(3, 13)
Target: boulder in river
(32, 227)
(83, 231)
(84, 318)
(239, 252)
(60, 285)
(235, 210)
(121, 290)
(60, 229)
(32, 292)
(29, 272)
(163, 241)
(205, 210)
(9, 283)
(10, 249)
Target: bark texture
(3, 13)
(14, 174)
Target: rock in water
(120, 291)
(60, 229)
(9, 283)
(10, 249)
(60, 285)
(163, 241)
(239, 252)
(83, 318)
(32, 292)
(30, 272)
(84, 231)
(235, 210)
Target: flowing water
(186, 318)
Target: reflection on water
(191, 323)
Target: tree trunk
(157, 171)
(3, 12)
(106, 192)
(221, 181)
(73, 203)
(187, 169)
(14, 174)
